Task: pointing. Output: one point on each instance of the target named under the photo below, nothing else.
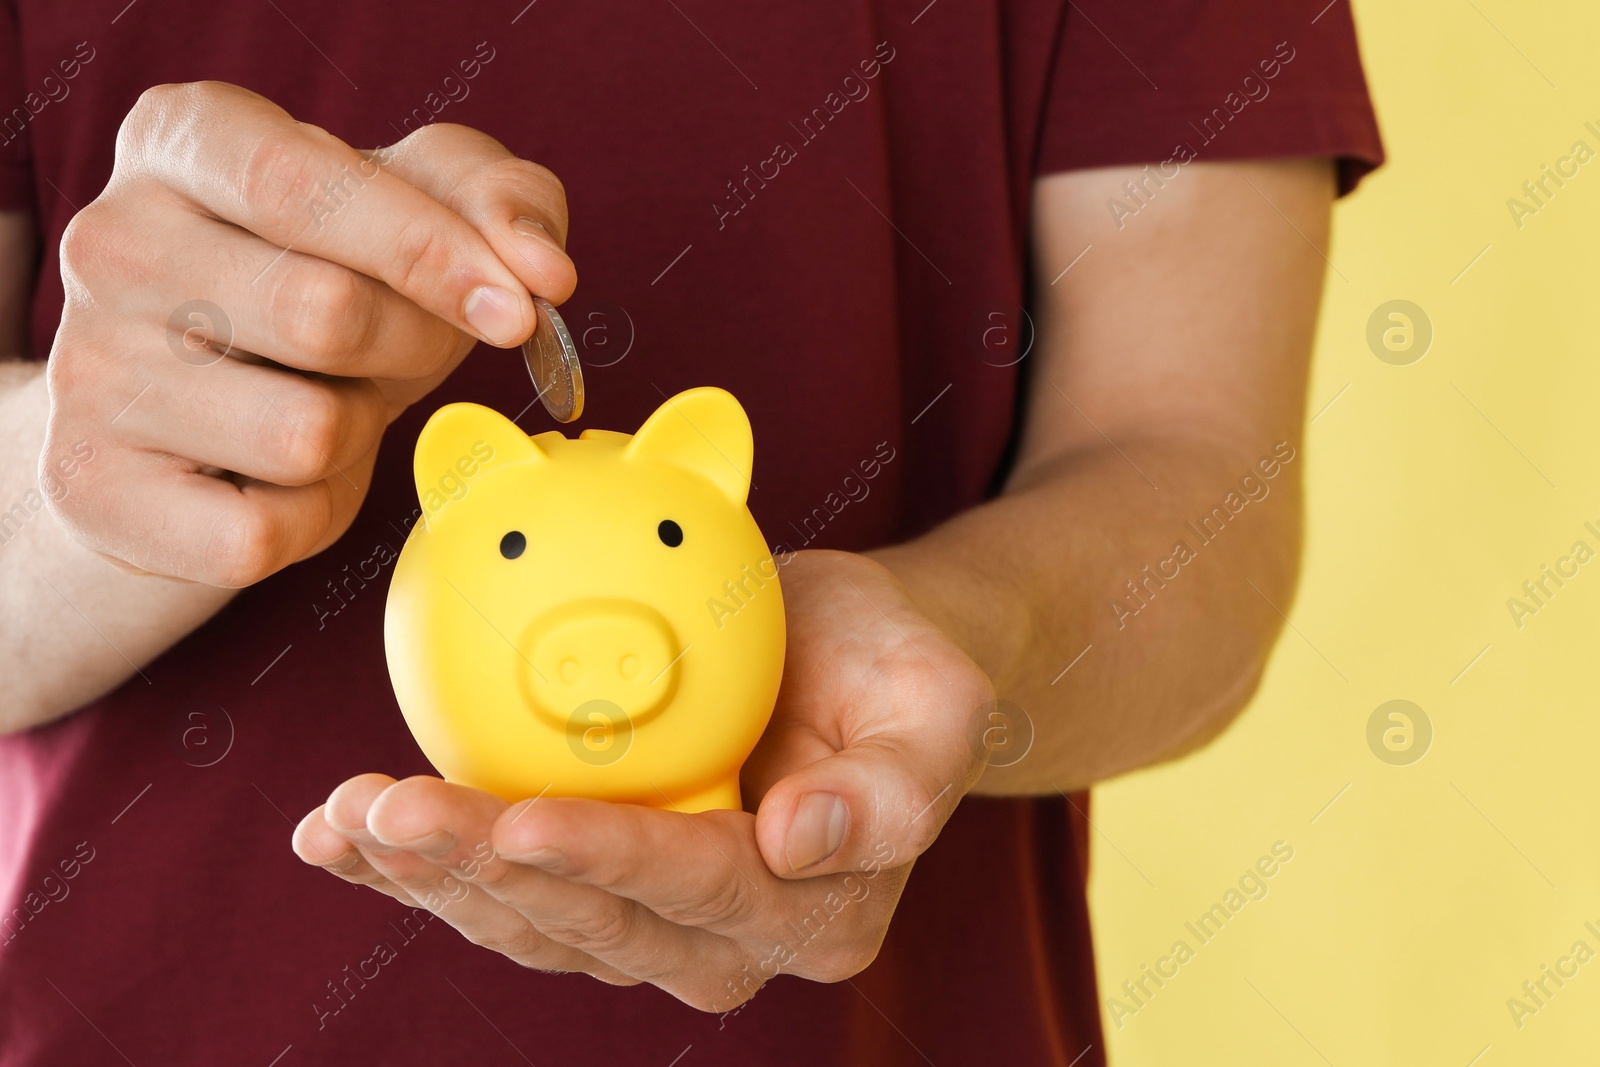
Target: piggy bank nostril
(629, 667)
(571, 671)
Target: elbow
(1240, 654)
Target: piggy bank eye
(513, 544)
(671, 533)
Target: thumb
(877, 803)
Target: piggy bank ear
(459, 442)
(703, 431)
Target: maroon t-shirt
(820, 207)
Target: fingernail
(527, 226)
(494, 313)
(817, 831)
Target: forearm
(73, 626)
(1129, 622)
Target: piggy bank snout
(617, 651)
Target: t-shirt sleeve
(16, 171)
(1208, 80)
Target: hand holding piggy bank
(593, 617)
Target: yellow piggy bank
(594, 617)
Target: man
(1087, 509)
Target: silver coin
(552, 361)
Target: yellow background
(1424, 897)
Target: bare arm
(151, 469)
(52, 657)
(1167, 380)
(1184, 339)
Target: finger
(694, 870)
(293, 308)
(903, 762)
(244, 159)
(431, 819)
(542, 883)
(259, 421)
(321, 845)
(228, 535)
(519, 207)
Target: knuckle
(282, 174)
(601, 931)
(86, 247)
(303, 437)
(729, 904)
(167, 113)
(242, 548)
(527, 176)
(85, 377)
(531, 183)
(426, 138)
(524, 944)
(152, 110)
(488, 874)
(323, 310)
(65, 374)
(72, 508)
(424, 254)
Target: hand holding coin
(552, 361)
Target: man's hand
(342, 287)
(869, 750)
